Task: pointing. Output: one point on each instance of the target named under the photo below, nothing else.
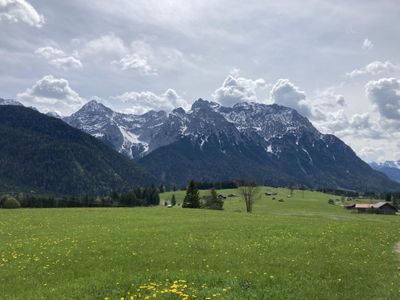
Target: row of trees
(193, 200)
(249, 191)
(138, 197)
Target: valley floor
(301, 248)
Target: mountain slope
(128, 134)
(43, 154)
(390, 168)
(268, 143)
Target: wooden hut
(385, 208)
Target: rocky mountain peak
(94, 106)
(204, 104)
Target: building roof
(380, 204)
(364, 205)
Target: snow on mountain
(270, 143)
(388, 164)
(9, 102)
(390, 168)
(128, 134)
(137, 135)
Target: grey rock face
(128, 134)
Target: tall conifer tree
(192, 198)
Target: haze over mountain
(390, 168)
(43, 154)
(272, 144)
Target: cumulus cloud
(287, 94)
(49, 52)
(385, 95)
(367, 44)
(237, 89)
(138, 56)
(52, 94)
(141, 102)
(371, 154)
(374, 68)
(20, 11)
(137, 63)
(59, 58)
(109, 44)
(68, 62)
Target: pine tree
(396, 200)
(192, 198)
(173, 200)
(213, 201)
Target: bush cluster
(9, 203)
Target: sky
(337, 62)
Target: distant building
(384, 208)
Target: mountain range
(390, 168)
(42, 154)
(270, 144)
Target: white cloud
(108, 45)
(52, 94)
(141, 102)
(137, 63)
(371, 154)
(375, 68)
(68, 62)
(137, 56)
(237, 89)
(385, 95)
(20, 11)
(367, 44)
(286, 94)
(58, 58)
(50, 52)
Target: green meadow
(301, 248)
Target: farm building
(385, 208)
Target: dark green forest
(44, 155)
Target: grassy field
(301, 248)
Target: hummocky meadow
(301, 248)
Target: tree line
(143, 196)
(193, 200)
(248, 189)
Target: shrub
(213, 201)
(11, 202)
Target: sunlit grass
(301, 248)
